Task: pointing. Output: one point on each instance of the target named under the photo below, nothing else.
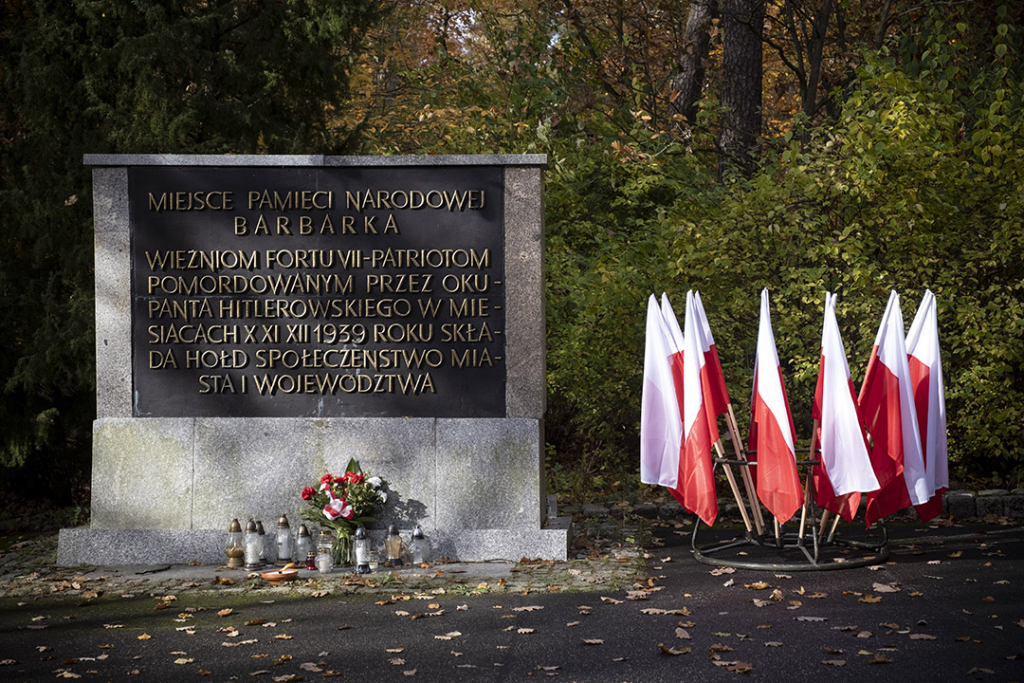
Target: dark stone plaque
(317, 292)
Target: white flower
(383, 496)
(375, 482)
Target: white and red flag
(661, 427)
(697, 484)
(887, 406)
(930, 400)
(772, 434)
(845, 469)
(674, 336)
(716, 378)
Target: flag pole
(732, 484)
(832, 531)
(807, 483)
(748, 481)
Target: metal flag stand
(810, 548)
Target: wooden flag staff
(748, 480)
(732, 485)
(807, 482)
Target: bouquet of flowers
(345, 503)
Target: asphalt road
(947, 606)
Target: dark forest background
(853, 146)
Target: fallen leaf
(611, 600)
(834, 662)
(773, 643)
(524, 630)
(145, 636)
(884, 588)
(757, 585)
(871, 599)
(674, 651)
(183, 660)
(527, 608)
(740, 667)
(921, 636)
(592, 641)
(225, 612)
(812, 618)
(879, 659)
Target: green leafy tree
(115, 76)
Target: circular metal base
(810, 554)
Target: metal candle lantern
(252, 545)
(393, 547)
(419, 547)
(233, 549)
(361, 542)
(284, 541)
(303, 543)
(262, 533)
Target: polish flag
(661, 428)
(696, 470)
(845, 469)
(771, 428)
(674, 336)
(930, 400)
(706, 370)
(887, 405)
(674, 342)
(716, 381)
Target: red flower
(355, 478)
(308, 493)
(326, 479)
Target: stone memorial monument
(260, 320)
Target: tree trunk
(742, 67)
(689, 79)
(817, 49)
